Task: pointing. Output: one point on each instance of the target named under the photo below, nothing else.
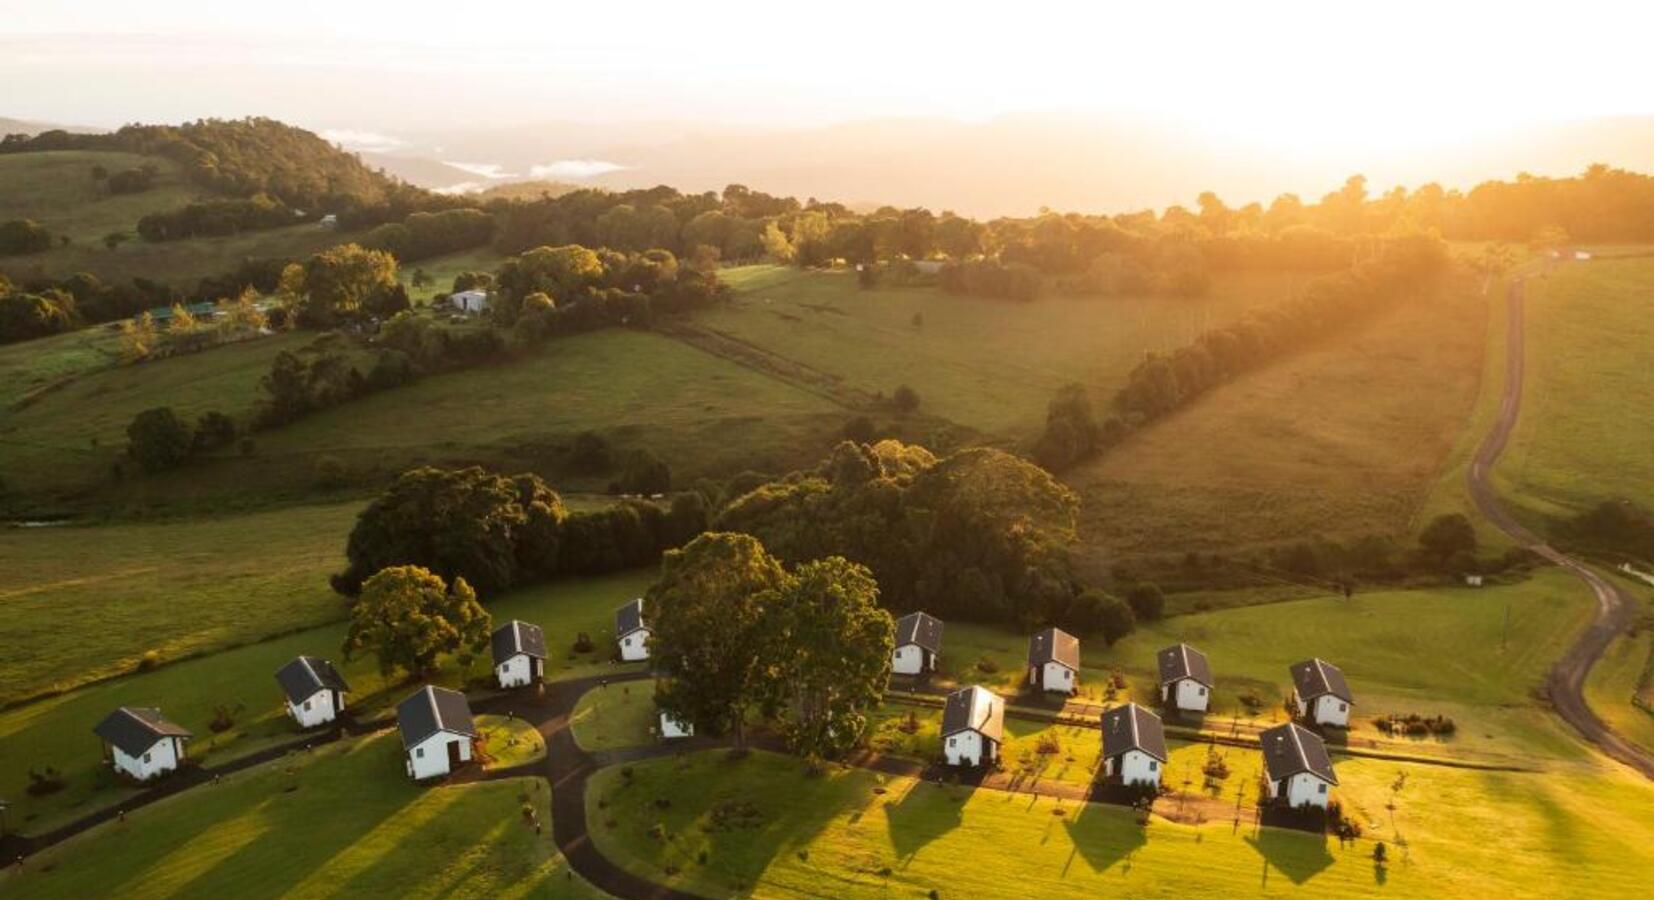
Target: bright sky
(1333, 74)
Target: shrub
(987, 666)
(1147, 602)
(906, 399)
(158, 439)
(222, 720)
(330, 473)
(582, 643)
(591, 453)
(150, 660)
(47, 781)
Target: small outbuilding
(519, 653)
(918, 644)
(631, 634)
(1185, 679)
(1134, 746)
(1299, 769)
(437, 731)
(315, 690)
(973, 726)
(140, 743)
(1054, 661)
(671, 727)
(1323, 695)
(472, 303)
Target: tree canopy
(408, 616)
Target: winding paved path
(1566, 684)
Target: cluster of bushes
(159, 439)
(496, 531)
(20, 236)
(216, 218)
(978, 535)
(1613, 527)
(1163, 382)
(135, 180)
(423, 235)
(991, 278)
(322, 375)
(1415, 725)
(25, 314)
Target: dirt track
(1566, 684)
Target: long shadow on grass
(926, 812)
(1295, 854)
(1106, 835)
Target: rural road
(1566, 684)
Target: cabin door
(453, 755)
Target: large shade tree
(408, 617)
(833, 645)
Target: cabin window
(953, 742)
(1154, 765)
(307, 706)
(1202, 692)
(1322, 789)
(146, 758)
(419, 752)
(1343, 707)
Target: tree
(343, 283)
(115, 238)
(906, 399)
(1447, 536)
(421, 279)
(712, 637)
(459, 523)
(407, 617)
(1115, 619)
(23, 236)
(835, 644)
(776, 245)
(1147, 602)
(590, 453)
(158, 439)
(1071, 432)
(645, 473)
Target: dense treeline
(423, 235)
(979, 535)
(216, 218)
(30, 314)
(247, 157)
(497, 532)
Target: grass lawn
(509, 742)
(620, 715)
(1582, 438)
(27, 367)
(340, 820)
(57, 730)
(1617, 678)
(442, 270)
(766, 827)
(84, 602)
(56, 189)
(988, 364)
(1344, 439)
(1424, 651)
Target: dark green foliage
(1448, 536)
(21, 236)
(861, 430)
(1613, 526)
(590, 454)
(24, 316)
(158, 440)
(423, 235)
(135, 180)
(980, 535)
(645, 474)
(1071, 432)
(1146, 600)
(992, 278)
(298, 384)
(215, 218)
(213, 431)
(905, 400)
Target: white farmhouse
(1185, 679)
(918, 643)
(140, 743)
(631, 635)
(1323, 694)
(1134, 746)
(473, 302)
(1300, 772)
(973, 725)
(672, 727)
(437, 731)
(519, 654)
(315, 690)
(1054, 661)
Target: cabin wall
(429, 758)
(635, 646)
(315, 710)
(515, 672)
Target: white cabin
(437, 732)
(1297, 765)
(1054, 661)
(519, 650)
(314, 691)
(471, 303)
(140, 743)
(973, 726)
(672, 728)
(918, 644)
(1134, 746)
(631, 634)
(1322, 694)
(1185, 679)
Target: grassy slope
(617, 716)
(1582, 437)
(176, 587)
(988, 364)
(1619, 676)
(1467, 834)
(28, 367)
(1344, 439)
(343, 819)
(70, 436)
(57, 731)
(57, 190)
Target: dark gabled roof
(1131, 727)
(516, 637)
(431, 710)
(1184, 661)
(974, 709)
(1315, 678)
(1054, 645)
(305, 675)
(919, 628)
(629, 618)
(135, 729)
(1291, 748)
